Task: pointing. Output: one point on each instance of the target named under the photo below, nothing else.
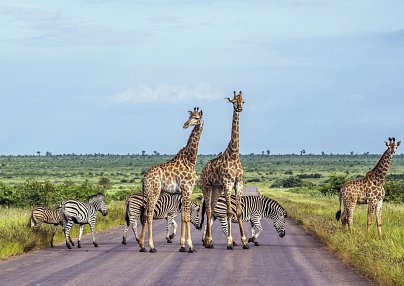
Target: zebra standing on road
(167, 207)
(40, 215)
(82, 213)
(254, 208)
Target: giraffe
(223, 174)
(175, 175)
(368, 190)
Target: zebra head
(98, 202)
(195, 218)
(279, 222)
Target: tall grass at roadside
(380, 259)
(17, 237)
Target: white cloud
(167, 94)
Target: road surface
(296, 259)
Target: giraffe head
(195, 118)
(392, 145)
(237, 101)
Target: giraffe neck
(191, 149)
(379, 172)
(233, 149)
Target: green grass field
(297, 182)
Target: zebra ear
(286, 214)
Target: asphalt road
(296, 259)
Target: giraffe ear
(387, 144)
(201, 112)
(398, 143)
(228, 99)
(190, 112)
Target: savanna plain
(305, 185)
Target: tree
(263, 153)
(352, 152)
(143, 152)
(156, 153)
(268, 152)
(39, 153)
(104, 183)
(303, 152)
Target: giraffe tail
(203, 213)
(338, 214)
(143, 207)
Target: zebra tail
(31, 222)
(338, 214)
(127, 214)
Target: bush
(333, 185)
(289, 182)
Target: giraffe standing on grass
(176, 175)
(368, 190)
(223, 174)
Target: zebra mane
(96, 196)
(273, 202)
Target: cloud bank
(167, 94)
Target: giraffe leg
(349, 216)
(207, 195)
(379, 216)
(371, 210)
(186, 221)
(239, 193)
(150, 213)
(227, 194)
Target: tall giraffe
(175, 175)
(225, 173)
(368, 190)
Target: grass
(381, 260)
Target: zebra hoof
(153, 250)
(169, 240)
(256, 243)
(142, 249)
(171, 236)
(235, 243)
(230, 247)
(250, 240)
(72, 244)
(96, 244)
(78, 245)
(192, 250)
(182, 249)
(52, 245)
(123, 242)
(245, 246)
(69, 247)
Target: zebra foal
(40, 215)
(82, 213)
(254, 208)
(167, 207)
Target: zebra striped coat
(82, 213)
(40, 215)
(254, 209)
(167, 207)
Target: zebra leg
(239, 193)
(92, 225)
(168, 228)
(125, 231)
(53, 234)
(251, 239)
(258, 226)
(67, 225)
(80, 234)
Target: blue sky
(119, 76)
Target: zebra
(82, 213)
(254, 209)
(46, 215)
(167, 207)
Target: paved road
(296, 259)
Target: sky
(116, 76)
